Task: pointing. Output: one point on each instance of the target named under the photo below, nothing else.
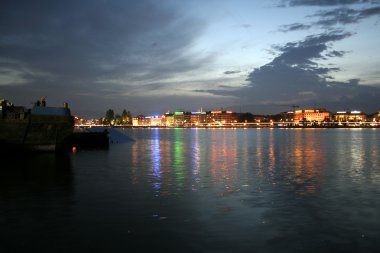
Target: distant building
(352, 116)
(143, 121)
(187, 118)
(135, 122)
(156, 121)
(179, 118)
(222, 117)
(197, 118)
(286, 117)
(169, 119)
(311, 116)
(148, 121)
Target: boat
(90, 140)
(40, 128)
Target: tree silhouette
(110, 116)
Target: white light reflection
(272, 157)
(259, 153)
(309, 157)
(195, 155)
(156, 159)
(357, 155)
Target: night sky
(151, 56)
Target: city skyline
(291, 110)
(153, 56)
(223, 118)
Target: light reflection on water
(233, 158)
(249, 180)
(356, 152)
(156, 161)
(208, 190)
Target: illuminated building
(135, 122)
(224, 118)
(353, 116)
(198, 118)
(153, 121)
(156, 121)
(221, 117)
(311, 116)
(169, 119)
(187, 118)
(287, 116)
(179, 118)
(143, 121)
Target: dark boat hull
(35, 132)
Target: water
(199, 190)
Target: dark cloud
(344, 16)
(296, 76)
(303, 53)
(100, 54)
(92, 49)
(231, 72)
(335, 53)
(331, 18)
(326, 2)
(294, 27)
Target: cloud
(231, 72)
(94, 48)
(296, 76)
(332, 17)
(344, 16)
(294, 27)
(304, 52)
(335, 53)
(325, 2)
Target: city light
(310, 117)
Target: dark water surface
(189, 190)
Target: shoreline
(235, 127)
